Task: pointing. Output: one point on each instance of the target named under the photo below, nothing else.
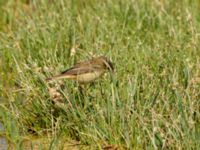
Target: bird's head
(107, 63)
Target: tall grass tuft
(152, 101)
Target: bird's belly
(89, 77)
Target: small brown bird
(87, 71)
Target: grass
(153, 100)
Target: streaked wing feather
(81, 70)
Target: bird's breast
(89, 77)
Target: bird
(86, 71)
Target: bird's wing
(80, 70)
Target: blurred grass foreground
(153, 102)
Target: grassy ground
(153, 101)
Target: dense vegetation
(152, 101)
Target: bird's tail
(49, 79)
(58, 77)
